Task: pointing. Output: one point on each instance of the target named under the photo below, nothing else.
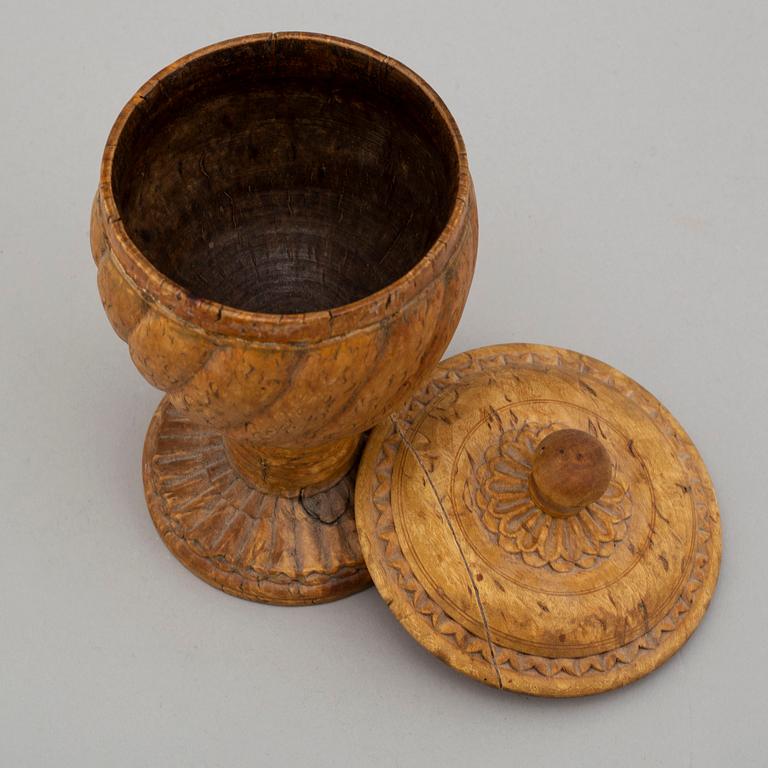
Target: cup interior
(286, 174)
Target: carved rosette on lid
(500, 490)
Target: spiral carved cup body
(279, 390)
(286, 233)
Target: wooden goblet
(285, 230)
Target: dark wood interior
(285, 176)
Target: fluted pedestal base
(250, 543)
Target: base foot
(255, 545)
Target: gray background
(619, 153)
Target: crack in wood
(446, 518)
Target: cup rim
(217, 318)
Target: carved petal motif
(507, 510)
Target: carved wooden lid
(539, 521)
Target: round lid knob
(571, 469)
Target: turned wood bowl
(285, 231)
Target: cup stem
(290, 472)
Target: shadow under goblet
(286, 232)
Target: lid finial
(571, 469)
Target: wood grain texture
(285, 232)
(492, 581)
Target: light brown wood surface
(539, 521)
(285, 232)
